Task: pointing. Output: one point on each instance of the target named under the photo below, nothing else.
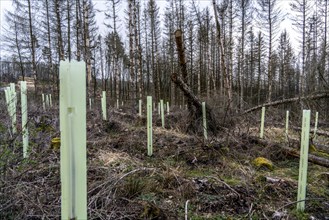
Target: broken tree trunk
(193, 102)
(196, 112)
(285, 101)
(291, 151)
(182, 63)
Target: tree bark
(227, 81)
(195, 101)
(285, 101)
(33, 42)
(182, 64)
(68, 29)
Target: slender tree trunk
(19, 52)
(302, 76)
(33, 41)
(131, 5)
(269, 66)
(259, 52)
(59, 31)
(87, 52)
(52, 72)
(139, 52)
(68, 30)
(227, 82)
(102, 62)
(78, 28)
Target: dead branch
(228, 186)
(286, 101)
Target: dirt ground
(185, 178)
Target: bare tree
(270, 18)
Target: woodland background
(138, 55)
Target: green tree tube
(50, 101)
(104, 106)
(13, 101)
(7, 100)
(24, 119)
(262, 123)
(72, 104)
(162, 113)
(43, 102)
(315, 124)
(149, 126)
(287, 123)
(47, 101)
(168, 110)
(140, 107)
(303, 161)
(204, 119)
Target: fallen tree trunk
(285, 101)
(291, 151)
(318, 146)
(318, 132)
(195, 101)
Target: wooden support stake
(204, 119)
(104, 106)
(73, 140)
(162, 113)
(118, 104)
(25, 131)
(287, 123)
(159, 108)
(303, 162)
(149, 126)
(262, 123)
(89, 103)
(315, 124)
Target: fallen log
(285, 101)
(291, 151)
(318, 146)
(318, 132)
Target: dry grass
(217, 177)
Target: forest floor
(213, 179)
